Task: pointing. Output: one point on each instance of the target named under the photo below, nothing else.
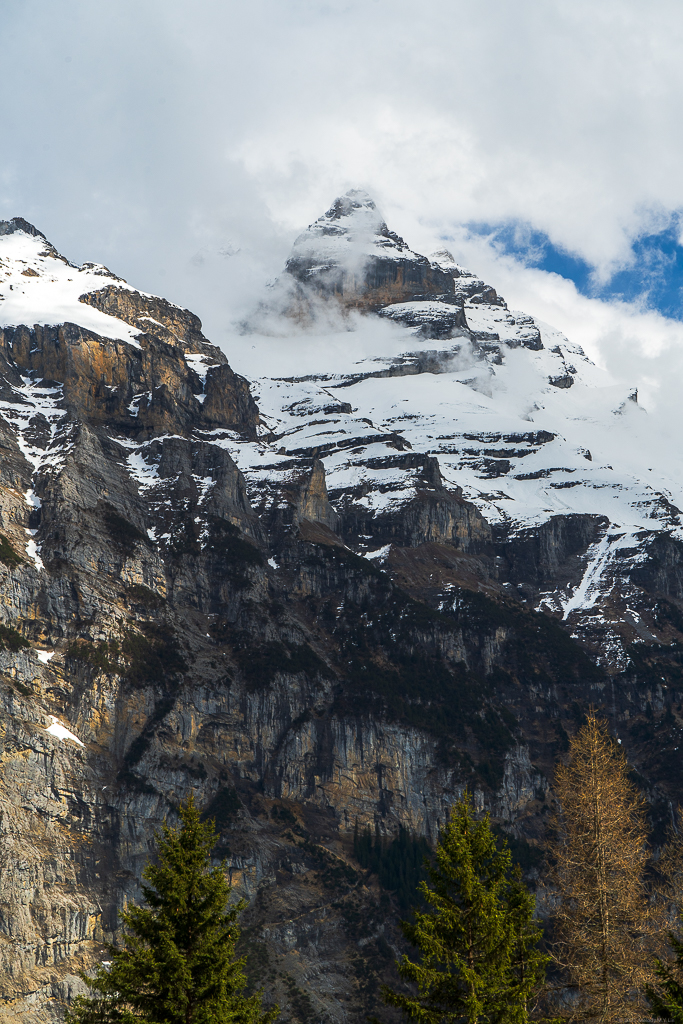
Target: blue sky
(651, 276)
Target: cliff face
(294, 611)
(350, 255)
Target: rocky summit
(324, 601)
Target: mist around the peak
(636, 345)
(186, 148)
(338, 343)
(286, 308)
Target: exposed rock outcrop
(143, 390)
(349, 253)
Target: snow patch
(37, 407)
(33, 551)
(204, 485)
(61, 732)
(380, 554)
(143, 472)
(32, 499)
(590, 589)
(201, 364)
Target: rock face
(350, 254)
(321, 604)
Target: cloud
(140, 134)
(635, 344)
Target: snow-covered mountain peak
(39, 286)
(349, 254)
(345, 206)
(10, 227)
(438, 372)
(444, 259)
(517, 418)
(350, 231)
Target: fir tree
(177, 964)
(480, 963)
(665, 996)
(398, 863)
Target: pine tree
(480, 961)
(177, 964)
(602, 920)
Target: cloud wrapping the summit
(186, 146)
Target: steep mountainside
(323, 600)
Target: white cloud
(140, 134)
(636, 345)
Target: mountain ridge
(337, 594)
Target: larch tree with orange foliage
(602, 921)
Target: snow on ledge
(380, 554)
(61, 732)
(44, 656)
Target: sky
(186, 145)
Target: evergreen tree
(398, 863)
(177, 964)
(665, 996)
(664, 989)
(478, 942)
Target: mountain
(324, 600)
